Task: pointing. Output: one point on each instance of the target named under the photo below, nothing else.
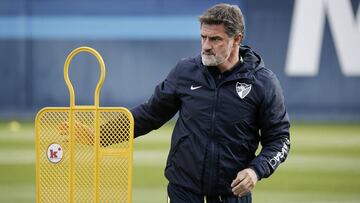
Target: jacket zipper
(212, 132)
(213, 151)
(213, 116)
(212, 142)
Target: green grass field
(323, 166)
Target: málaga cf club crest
(242, 89)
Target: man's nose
(206, 46)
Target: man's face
(216, 45)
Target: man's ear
(238, 38)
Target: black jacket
(219, 127)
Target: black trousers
(178, 194)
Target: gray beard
(211, 60)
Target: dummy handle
(102, 73)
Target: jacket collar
(245, 70)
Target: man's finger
(241, 186)
(247, 188)
(63, 128)
(240, 176)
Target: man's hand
(83, 134)
(244, 182)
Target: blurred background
(312, 46)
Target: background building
(313, 47)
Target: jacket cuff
(260, 168)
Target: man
(228, 102)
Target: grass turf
(323, 166)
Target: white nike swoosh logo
(195, 87)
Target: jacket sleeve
(161, 107)
(274, 130)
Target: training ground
(323, 165)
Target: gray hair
(229, 15)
